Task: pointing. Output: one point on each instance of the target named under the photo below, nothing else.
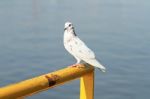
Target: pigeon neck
(69, 35)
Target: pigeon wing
(80, 50)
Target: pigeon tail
(95, 63)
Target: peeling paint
(52, 79)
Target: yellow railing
(46, 81)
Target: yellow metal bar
(43, 82)
(87, 86)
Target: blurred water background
(118, 31)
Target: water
(31, 34)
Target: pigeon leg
(77, 64)
(74, 65)
(78, 60)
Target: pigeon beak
(65, 29)
(72, 28)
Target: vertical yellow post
(87, 86)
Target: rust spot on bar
(52, 79)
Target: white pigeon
(78, 49)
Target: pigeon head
(68, 26)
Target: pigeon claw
(77, 65)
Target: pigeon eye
(69, 25)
